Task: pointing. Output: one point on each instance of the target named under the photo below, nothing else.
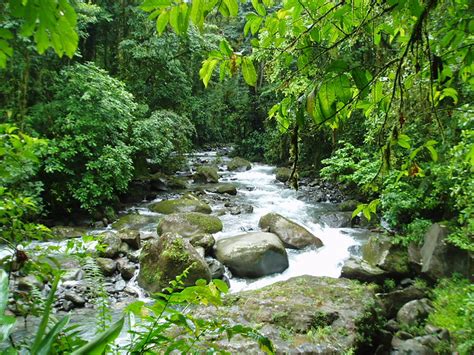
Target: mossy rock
(66, 232)
(229, 189)
(348, 205)
(381, 252)
(189, 224)
(206, 174)
(305, 314)
(180, 205)
(161, 260)
(239, 164)
(134, 221)
(282, 174)
(290, 233)
(177, 182)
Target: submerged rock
(180, 205)
(282, 174)
(206, 174)
(290, 233)
(161, 260)
(252, 254)
(189, 224)
(305, 314)
(239, 164)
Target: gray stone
(239, 164)
(111, 244)
(290, 233)
(440, 259)
(410, 347)
(206, 174)
(228, 189)
(107, 266)
(381, 252)
(359, 269)
(126, 269)
(72, 275)
(414, 312)
(252, 254)
(189, 224)
(163, 259)
(76, 299)
(205, 241)
(27, 283)
(336, 219)
(391, 302)
(120, 286)
(282, 174)
(216, 267)
(131, 238)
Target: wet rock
(228, 189)
(359, 269)
(239, 164)
(134, 221)
(336, 219)
(440, 259)
(290, 233)
(111, 244)
(252, 254)
(391, 302)
(206, 174)
(76, 299)
(414, 312)
(66, 232)
(107, 266)
(163, 259)
(126, 269)
(67, 305)
(381, 252)
(298, 305)
(120, 286)
(72, 275)
(205, 241)
(131, 238)
(27, 283)
(216, 268)
(240, 209)
(348, 205)
(181, 205)
(134, 256)
(410, 346)
(189, 224)
(282, 174)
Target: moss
(180, 205)
(283, 174)
(238, 163)
(209, 224)
(134, 221)
(206, 174)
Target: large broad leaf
(45, 346)
(98, 345)
(206, 70)
(249, 72)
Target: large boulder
(206, 174)
(282, 174)
(359, 269)
(391, 302)
(161, 260)
(252, 254)
(302, 315)
(239, 164)
(336, 219)
(130, 237)
(189, 224)
(291, 234)
(110, 245)
(414, 312)
(381, 252)
(440, 259)
(180, 205)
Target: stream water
(257, 187)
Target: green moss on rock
(282, 174)
(206, 174)
(239, 164)
(189, 224)
(180, 205)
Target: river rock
(29, 282)
(189, 224)
(359, 269)
(289, 313)
(205, 241)
(180, 205)
(134, 221)
(290, 233)
(336, 219)
(110, 245)
(76, 299)
(161, 260)
(282, 174)
(206, 174)
(216, 268)
(106, 265)
(391, 302)
(239, 164)
(414, 312)
(411, 346)
(130, 237)
(348, 205)
(381, 252)
(66, 232)
(228, 189)
(440, 259)
(126, 269)
(252, 254)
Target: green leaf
(6, 325)
(98, 345)
(433, 152)
(3, 291)
(151, 5)
(206, 70)
(45, 346)
(225, 48)
(404, 141)
(232, 6)
(249, 72)
(221, 285)
(358, 210)
(162, 21)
